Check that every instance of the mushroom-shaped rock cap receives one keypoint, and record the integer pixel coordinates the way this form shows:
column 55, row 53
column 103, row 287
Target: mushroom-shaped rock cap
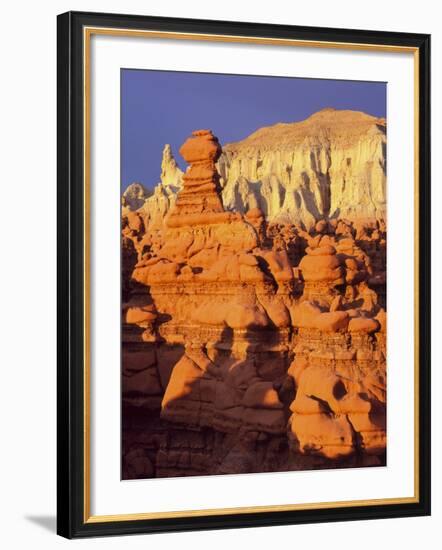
column 202, row 146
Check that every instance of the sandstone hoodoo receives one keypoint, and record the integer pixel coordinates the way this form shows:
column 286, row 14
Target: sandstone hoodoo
column 199, row 201
column 256, row 342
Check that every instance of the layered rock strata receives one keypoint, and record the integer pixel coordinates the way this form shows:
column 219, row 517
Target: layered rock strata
column 249, row 345
column 331, row 165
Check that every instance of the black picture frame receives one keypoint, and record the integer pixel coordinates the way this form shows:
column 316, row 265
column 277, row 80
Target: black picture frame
column 72, row 522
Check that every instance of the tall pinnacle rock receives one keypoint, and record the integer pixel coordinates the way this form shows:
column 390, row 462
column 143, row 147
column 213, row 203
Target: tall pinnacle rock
column 199, row 200
column 170, row 171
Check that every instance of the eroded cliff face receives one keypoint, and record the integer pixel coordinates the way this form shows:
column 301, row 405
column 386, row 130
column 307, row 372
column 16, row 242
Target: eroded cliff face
column 249, row 345
column 134, row 197
column 153, row 206
column 331, row 165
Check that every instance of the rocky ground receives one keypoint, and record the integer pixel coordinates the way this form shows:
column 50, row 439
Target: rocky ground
column 249, row 345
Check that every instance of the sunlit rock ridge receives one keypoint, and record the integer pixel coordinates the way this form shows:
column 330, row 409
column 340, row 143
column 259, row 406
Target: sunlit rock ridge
column 331, row 165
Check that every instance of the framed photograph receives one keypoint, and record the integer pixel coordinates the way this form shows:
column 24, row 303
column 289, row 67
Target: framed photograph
column 243, row 274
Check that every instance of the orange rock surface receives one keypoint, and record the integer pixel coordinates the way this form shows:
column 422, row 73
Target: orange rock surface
column 249, row 346
column 199, row 201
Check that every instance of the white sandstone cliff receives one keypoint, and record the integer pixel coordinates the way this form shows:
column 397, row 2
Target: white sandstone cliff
column 134, row 196
column 157, row 204
column 332, row 164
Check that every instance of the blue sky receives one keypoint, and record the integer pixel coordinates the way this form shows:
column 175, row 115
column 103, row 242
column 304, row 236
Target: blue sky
column 159, row 107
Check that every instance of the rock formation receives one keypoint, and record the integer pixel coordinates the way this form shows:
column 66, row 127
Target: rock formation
column 249, row 344
column 199, row 202
column 158, row 203
column 134, row 197
column 171, row 175
column 331, row 165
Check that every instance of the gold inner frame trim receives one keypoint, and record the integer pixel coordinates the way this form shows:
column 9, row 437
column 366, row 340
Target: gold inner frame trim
column 87, row 34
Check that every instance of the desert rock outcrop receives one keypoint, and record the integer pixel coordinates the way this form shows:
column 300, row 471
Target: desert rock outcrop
column 251, row 344
column 331, row 165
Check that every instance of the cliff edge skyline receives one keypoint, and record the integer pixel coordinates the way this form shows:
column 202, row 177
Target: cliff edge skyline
column 159, row 107
column 332, row 164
